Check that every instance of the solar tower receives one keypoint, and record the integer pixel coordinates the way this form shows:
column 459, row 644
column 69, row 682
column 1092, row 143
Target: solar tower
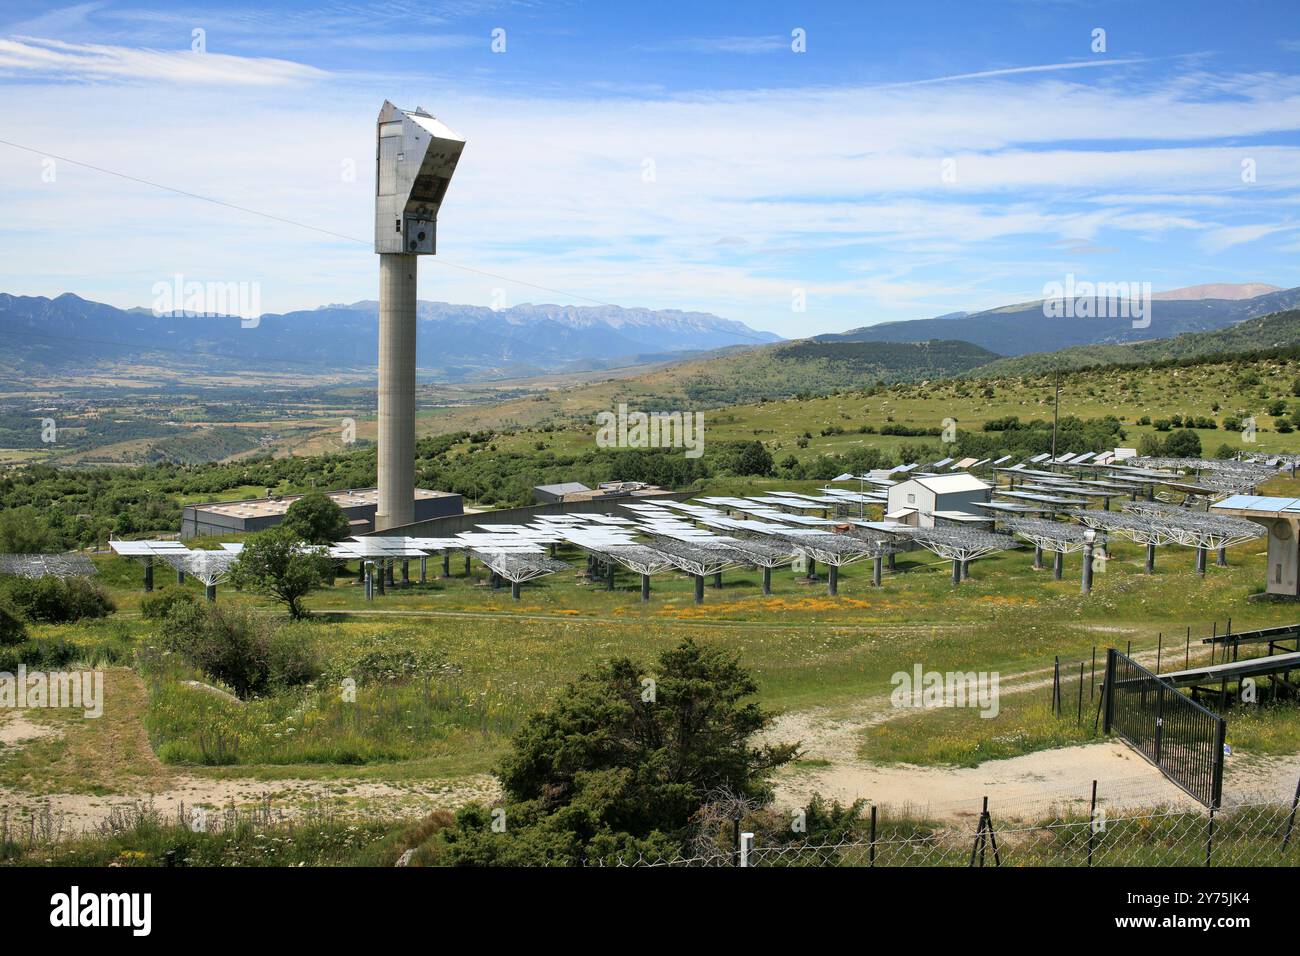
column 415, row 159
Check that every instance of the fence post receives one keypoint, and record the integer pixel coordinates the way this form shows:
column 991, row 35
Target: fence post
column 1160, row 646
column 1290, row 820
column 1092, row 679
column 871, row 852
column 735, row 840
column 1056, row 686
column 1078, row 717
column 746, row 845
column 1108, row 688
column 1209, row 838
column 1092, row 821
column 1160, row 720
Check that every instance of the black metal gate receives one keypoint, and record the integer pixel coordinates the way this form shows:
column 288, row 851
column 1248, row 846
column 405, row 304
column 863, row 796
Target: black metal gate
column 1182, row 738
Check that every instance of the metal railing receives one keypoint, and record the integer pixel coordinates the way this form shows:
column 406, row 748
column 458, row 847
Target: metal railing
column 1179, row 736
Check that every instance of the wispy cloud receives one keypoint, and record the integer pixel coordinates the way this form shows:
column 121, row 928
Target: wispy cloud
column 32, row 57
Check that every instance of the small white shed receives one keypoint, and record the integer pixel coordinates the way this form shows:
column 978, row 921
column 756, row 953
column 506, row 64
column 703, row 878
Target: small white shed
column 924, row 495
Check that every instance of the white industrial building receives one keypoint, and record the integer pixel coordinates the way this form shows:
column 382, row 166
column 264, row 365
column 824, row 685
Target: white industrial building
column 915, row 501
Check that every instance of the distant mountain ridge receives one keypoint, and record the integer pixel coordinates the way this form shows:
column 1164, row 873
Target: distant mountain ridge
column 1276, row 330
column 1022, row 329
column 455, row 342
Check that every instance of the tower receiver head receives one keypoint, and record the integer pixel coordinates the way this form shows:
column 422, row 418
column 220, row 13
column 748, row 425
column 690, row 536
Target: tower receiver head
column 415, row 158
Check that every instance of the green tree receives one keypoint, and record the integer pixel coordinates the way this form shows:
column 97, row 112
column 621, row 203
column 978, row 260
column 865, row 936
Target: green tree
column 24, row 531
column 275, row 562
column 1183, row 444
column 316, row 519
column 622, row 761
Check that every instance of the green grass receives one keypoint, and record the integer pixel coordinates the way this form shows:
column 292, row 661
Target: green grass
column 960, row 737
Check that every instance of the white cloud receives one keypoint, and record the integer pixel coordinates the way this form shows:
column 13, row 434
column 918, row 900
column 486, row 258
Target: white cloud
column 843, row 196
column 28, row 57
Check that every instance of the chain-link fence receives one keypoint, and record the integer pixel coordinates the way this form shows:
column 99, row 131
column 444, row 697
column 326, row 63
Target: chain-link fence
column 1250, row 831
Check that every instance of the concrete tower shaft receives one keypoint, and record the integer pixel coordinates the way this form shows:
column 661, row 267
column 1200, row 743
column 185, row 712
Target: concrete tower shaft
column 397, row 273
column 415, row 156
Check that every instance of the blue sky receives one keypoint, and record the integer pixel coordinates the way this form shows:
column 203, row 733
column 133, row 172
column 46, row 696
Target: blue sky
column 916, row 159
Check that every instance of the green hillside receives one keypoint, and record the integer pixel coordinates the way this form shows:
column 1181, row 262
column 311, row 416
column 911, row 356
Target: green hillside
column 1281, row 330
column 809, row 367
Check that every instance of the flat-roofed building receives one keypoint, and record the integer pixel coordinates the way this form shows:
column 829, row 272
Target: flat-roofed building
column 572, row 491
column 258, row 514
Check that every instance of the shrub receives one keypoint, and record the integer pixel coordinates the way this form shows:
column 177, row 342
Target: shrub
column 293, row 656
column 12, row 629
column 57, row 600
column 158, row 606
column 242, row 648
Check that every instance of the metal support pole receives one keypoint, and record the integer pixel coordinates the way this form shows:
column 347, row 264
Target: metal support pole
column 1038, row 557
column 645, row 587
column 956, row 572
column 699, row 588
column 514, row 590
column 767, row 580
column 1092, row 821
column 1086, row 586
column 876, row 571
column 1222, row 559
column 1058, row 565
column 833, row 581
column 446, row 564
column 424, row 570
column 1151, row 559
column 1200, row 561
column 717, row 579
column 1209, row 838
column 1290, row 820
column 148, row 574
column 871, row 852
column 210, row 592
column 180, row 576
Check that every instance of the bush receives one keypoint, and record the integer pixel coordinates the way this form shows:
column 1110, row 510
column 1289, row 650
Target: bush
column 293, row 656
column 158, row 606
column 12, row 629
column 57, row 600
column 242, row 648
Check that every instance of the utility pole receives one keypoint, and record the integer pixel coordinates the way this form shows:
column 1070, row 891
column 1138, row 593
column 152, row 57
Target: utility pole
column 1056, row 411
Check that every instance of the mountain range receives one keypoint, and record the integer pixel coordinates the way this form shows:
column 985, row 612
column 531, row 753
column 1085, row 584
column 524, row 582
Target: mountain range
column 69, row 334
column 1024, row 328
